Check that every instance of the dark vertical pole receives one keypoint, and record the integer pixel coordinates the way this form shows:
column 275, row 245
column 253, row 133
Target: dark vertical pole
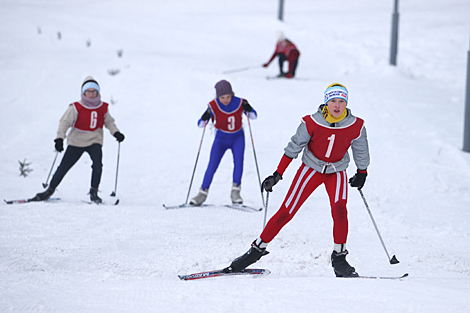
column 281, row 10
column 256, row 160
column 466, row 132
column 195, row 164
column 394, row 45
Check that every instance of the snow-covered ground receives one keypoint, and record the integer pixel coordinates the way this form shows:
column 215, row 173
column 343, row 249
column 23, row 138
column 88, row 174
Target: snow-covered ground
column 74, row 257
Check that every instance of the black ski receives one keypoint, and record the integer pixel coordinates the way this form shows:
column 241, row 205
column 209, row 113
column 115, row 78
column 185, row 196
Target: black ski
column 19, row 201
column 185, row 205
column 243, row 207
column 102, row 203
column 219, row 273
column 381, row 277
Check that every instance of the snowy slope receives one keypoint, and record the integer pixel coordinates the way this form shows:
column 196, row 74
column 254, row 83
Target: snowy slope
column 74, row 257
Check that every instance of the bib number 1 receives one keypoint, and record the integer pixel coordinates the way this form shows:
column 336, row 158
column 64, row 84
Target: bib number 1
column 331, row 139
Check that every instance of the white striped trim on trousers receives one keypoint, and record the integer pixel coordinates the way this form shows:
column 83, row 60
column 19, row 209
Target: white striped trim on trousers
column 338, row 186
column 294, row 191
column 302, row 174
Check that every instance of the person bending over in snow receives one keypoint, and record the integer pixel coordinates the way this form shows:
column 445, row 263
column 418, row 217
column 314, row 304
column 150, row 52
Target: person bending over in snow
column 325, row 138
column 226, row 112
column 86, row 119
column 285, row 51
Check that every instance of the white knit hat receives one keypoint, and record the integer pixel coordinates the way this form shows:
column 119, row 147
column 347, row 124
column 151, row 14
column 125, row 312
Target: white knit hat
column 336, row 91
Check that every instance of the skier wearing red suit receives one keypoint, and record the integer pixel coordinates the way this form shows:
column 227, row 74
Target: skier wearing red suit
column 285, row 51
column 324, row 137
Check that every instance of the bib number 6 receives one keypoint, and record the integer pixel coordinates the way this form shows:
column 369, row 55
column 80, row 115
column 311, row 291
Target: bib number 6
column 93, row 119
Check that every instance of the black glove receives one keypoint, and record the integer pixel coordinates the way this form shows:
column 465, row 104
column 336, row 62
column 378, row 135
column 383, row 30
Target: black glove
column 270, row 181
column 359, row 179
column 207, row 115
column 246, row 106
column 59, row 144
column 119, row 137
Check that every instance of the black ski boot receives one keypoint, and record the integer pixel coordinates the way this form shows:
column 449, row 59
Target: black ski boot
column 255, row 253
column 44, row 195
column 94, row 196
column 341, row 266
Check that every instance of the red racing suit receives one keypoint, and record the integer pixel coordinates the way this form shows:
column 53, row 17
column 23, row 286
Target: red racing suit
column 324, row 161
column 286, row 50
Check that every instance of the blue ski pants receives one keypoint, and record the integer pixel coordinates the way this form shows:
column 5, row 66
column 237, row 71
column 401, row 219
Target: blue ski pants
column 223, row 142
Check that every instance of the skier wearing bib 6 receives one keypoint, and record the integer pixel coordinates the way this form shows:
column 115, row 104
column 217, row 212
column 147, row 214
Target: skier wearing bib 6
column 86, row 119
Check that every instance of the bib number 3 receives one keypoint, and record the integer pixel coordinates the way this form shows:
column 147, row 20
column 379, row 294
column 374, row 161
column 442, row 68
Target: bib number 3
column 231, row 123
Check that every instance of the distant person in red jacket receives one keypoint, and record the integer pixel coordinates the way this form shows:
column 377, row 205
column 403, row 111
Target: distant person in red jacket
column 286, row 51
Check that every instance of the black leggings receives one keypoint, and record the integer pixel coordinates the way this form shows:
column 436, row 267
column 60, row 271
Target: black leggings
column 292, row 62
column 72, row 155
column 282, row 58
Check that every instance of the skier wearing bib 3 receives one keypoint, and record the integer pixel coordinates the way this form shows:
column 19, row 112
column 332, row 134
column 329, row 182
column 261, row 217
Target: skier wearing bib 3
column 226, row 111
column 325, row 138
column 86, row 119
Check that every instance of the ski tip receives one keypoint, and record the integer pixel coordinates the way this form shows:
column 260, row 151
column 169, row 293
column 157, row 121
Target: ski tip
column 30, row 200
column 243, row 207
column 168, row 207
column 266, row 272
column 185, row 205
column 381, row 277
column 117, row 202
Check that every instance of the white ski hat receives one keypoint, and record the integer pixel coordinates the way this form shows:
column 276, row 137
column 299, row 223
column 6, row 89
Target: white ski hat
column 336, row 91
